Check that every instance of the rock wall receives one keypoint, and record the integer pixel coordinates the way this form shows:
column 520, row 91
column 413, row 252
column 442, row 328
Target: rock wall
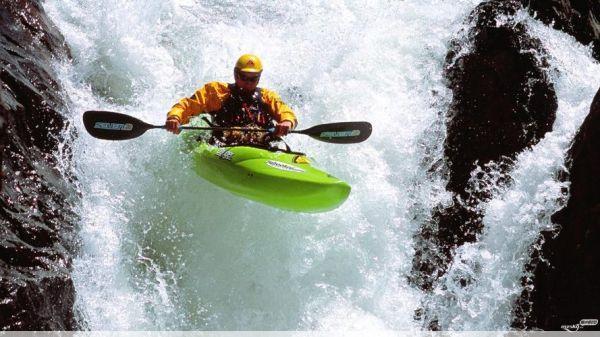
column 560, row 290
column 579, row 18
column 37, row 231
column 565, row 287
column 503, row 103
column 3, row 120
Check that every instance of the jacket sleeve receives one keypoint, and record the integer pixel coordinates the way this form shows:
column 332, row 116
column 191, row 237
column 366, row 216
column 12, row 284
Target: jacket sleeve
column 280, row 111
column 206, row 99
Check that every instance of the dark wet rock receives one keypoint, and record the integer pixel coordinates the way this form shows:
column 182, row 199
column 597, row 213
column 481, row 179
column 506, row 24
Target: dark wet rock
column 565, row 288
column 579, row 18
column 37, row 235
column 3, row 119
column 503, row 103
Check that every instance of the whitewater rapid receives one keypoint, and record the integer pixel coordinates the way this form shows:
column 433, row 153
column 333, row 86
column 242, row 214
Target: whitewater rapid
column 163, row 249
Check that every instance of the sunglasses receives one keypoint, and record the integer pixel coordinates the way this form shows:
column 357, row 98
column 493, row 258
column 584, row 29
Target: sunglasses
column 250, row 79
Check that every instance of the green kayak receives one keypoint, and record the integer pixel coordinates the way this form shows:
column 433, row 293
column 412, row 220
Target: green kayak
column 280, row 179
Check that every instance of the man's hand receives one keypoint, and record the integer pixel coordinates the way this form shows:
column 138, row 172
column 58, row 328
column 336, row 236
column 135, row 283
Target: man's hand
column 172, row 125
column 282, row 129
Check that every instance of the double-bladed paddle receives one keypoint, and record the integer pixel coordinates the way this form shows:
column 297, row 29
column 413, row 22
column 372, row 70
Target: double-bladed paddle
column 117, row 126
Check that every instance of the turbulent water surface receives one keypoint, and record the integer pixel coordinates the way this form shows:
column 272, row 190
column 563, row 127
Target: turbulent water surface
column 163, row 249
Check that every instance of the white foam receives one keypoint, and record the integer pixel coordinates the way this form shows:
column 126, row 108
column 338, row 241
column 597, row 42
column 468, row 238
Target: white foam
column 163, row 249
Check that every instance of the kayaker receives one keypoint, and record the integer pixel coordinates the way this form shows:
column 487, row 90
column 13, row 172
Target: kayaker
column 239, row 104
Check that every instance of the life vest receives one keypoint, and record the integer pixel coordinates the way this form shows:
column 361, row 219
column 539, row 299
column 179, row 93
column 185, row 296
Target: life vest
column 243, row 109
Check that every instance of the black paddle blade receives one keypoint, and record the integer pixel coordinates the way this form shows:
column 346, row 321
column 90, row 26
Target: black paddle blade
column 113, row 125
column 340, row 133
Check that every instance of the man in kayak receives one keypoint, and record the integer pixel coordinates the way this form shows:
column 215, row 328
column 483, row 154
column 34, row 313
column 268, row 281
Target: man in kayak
column 239, row 104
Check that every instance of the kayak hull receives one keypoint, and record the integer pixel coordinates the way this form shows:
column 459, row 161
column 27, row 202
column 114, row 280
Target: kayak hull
column 279, row 179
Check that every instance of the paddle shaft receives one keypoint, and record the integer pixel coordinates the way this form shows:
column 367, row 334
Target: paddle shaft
column 222, row 128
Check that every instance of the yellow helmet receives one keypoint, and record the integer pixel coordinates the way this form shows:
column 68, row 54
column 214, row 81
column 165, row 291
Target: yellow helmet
column 249, row 63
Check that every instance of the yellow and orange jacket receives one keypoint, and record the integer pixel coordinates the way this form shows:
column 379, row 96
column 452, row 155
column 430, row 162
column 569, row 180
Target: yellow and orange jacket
column 212, row 97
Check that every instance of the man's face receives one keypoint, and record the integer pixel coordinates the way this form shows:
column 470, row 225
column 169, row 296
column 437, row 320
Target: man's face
column 246, row 81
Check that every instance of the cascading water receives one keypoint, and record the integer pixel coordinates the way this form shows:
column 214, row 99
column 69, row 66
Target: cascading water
column 163, row 249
